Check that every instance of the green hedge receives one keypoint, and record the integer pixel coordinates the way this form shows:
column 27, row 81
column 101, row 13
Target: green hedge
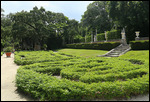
column 101, row 37
column 114, row 34
column 99, row 45
column 88, row 38
column 139, row 45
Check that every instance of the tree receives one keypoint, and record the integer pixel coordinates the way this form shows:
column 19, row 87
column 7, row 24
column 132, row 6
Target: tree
column 38, row 26
column 6, row 27
column 133, row 15
column 96, row 17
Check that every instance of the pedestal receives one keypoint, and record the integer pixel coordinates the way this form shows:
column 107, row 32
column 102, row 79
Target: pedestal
column 123, row 42
column 137, row 38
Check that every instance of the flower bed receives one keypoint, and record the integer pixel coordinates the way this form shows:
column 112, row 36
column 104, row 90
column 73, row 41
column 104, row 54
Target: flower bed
column 82, row 78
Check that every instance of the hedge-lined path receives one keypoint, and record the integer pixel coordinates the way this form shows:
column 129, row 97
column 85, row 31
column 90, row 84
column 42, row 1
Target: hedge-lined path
column 8, row 72
column 8, row 89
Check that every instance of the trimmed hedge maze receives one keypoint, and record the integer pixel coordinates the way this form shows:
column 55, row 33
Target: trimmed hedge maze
column 81, row 78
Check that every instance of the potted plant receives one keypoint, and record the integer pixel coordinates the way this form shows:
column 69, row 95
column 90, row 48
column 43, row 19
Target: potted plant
column 8, row 51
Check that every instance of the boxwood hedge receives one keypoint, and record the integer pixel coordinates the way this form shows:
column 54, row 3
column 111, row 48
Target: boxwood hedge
column 98, row 45
column 82, row 78
column 139, row 45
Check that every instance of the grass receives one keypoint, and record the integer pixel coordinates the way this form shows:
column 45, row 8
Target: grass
column 83, row 52
column 138, row 54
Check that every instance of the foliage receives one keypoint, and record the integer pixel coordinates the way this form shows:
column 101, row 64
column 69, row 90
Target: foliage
column 114, row 34
column 8, row 49
column 44, row 46
column 29, row 57
column 37, row 26
column 2, row 53
column 6, row 34
column 110, row 15
column 96, row 17
column 101, row 37
column 133, row 15
column 140, row 45
column 85, row 78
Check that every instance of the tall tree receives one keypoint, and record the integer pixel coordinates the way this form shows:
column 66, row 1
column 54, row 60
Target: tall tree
column 6, row 27
column 133, row 15
column 96, row 17
column 38, row 25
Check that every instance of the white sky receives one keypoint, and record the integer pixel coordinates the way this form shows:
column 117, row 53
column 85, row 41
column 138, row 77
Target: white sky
column 71, row 9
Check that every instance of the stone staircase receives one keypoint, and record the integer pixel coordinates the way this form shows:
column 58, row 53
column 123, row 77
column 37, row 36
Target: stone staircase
column 116, row 52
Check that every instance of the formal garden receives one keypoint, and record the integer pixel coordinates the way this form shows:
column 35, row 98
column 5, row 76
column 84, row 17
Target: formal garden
column 58, row 57
column 48, row 75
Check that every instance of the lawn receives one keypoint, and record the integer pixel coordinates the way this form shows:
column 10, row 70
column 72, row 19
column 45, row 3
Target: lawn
column 83, row 75
column 83, row 52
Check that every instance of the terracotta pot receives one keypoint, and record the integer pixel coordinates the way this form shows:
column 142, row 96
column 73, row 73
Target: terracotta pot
column 8, row 54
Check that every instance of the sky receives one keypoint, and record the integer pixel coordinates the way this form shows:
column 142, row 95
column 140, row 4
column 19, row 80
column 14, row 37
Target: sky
column 71, row 9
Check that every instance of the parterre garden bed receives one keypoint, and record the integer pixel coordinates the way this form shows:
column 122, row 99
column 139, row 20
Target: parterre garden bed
column 81, row 78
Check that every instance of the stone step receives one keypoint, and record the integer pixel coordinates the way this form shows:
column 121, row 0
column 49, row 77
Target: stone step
column 117, row 51
column 113, row 53
column 122, row 48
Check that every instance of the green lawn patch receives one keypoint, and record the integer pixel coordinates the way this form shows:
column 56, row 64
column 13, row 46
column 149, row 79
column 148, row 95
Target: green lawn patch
column 83, row 52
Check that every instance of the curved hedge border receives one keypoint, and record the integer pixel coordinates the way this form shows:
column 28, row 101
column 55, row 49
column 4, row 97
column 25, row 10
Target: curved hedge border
column 130, row 79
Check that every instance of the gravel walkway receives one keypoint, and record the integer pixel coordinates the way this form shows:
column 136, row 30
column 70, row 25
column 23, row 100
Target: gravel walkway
column 8, row 89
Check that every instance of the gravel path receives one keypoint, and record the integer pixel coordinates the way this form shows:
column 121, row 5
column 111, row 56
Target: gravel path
column 8, row 89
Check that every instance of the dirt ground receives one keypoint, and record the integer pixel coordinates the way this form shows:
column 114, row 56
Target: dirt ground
column 8, row 89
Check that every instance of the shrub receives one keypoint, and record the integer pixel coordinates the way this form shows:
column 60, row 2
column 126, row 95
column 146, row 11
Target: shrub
column 2, row 53
column 8, row 49
column 114, row 34
column 101, row 37
column 83, row 78
column 88, row 38
column 99, row 45
column 139, row 45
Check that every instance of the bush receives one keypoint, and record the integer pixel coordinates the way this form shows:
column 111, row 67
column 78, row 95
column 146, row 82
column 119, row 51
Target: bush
column 99, row 45
column 83, row 78
column 88, row 38
column 2, row 53
column 101, row 37
column 114, row 34
column 139, row 45
column 8, row 49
